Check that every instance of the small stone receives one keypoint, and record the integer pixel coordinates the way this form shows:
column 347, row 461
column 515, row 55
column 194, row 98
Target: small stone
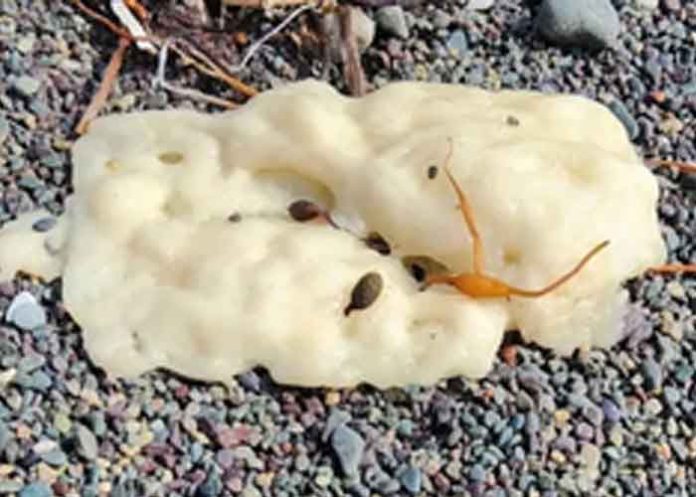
column 25, row 312
column 612, row 413
column 622, row 113
column 457, row 43
column 480, row 4
column 348, row 446
column 412, row 480
column 324, row 476
column 364, row 29
column 392, row 20
column 55, row 457
column 652, row 374
column 590, row 456
column 211, row 487
column 477, row 473
column 647, row 4
column 4, row 129
column 36, row 490
column 9, row 486
column 26, row 86
column 592, row 24
column 653, row 407
column 44, row 224
column 87, row 442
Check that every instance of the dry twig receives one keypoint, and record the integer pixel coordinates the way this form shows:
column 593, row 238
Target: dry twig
column 685, row 167
column 105, row 86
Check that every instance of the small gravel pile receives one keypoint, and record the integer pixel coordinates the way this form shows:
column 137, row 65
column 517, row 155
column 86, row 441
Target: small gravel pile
column 619, row 422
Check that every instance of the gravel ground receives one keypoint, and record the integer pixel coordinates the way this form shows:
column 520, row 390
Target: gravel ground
column 617, row 422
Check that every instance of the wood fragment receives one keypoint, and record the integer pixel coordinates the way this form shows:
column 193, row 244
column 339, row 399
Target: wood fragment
column 107, row 83
column 138, row 8
column 352, row 67
column 111, row 26
column 686, row 167
column 673, row 268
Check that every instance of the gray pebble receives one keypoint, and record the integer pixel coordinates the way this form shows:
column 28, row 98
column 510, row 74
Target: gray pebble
column 25, row 312
column 392, row 20
column 457, row 42
column 480, row 4
column 44, row 224
column 36, row 490
column 26, row 85
column 592, row 24
column 623, row 115
column 87, row 442
column 55, row 457
column 4, row 129
column 412, row 480
column 348, row 446
column 10, row 486
column 336, row 418
column 652, row 374
column 211, row 487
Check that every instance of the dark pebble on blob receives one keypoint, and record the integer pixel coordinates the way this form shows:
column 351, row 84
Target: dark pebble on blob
column 304, row 210
column 365, row 292
column 432, row 172
column 44, row 224
column 376, row 242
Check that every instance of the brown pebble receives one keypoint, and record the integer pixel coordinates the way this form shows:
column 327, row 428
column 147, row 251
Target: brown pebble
column 365, row 292
column 421, row 266
column 304, row 210
column 432, row 172
column 235, row 217
column 376, row 242
column 512, row 121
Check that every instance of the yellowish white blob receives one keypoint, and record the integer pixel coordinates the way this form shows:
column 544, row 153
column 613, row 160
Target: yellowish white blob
column 158, row 276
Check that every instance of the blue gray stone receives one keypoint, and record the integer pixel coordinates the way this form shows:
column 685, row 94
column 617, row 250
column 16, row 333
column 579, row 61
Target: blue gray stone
column 591, row 24
column 348, row 446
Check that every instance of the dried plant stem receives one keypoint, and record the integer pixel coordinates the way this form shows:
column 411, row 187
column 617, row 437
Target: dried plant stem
column 673, row 268
column 123, row 33
column 686, row 167
column 267, row 4
column 107, row 83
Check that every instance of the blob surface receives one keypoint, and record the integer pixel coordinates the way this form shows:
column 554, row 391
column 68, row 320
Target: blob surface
column 178, row 250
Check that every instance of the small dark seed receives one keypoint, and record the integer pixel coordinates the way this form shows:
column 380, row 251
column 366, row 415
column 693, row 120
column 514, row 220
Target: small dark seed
column 171, row 158
column 512, row 121
column 421, row 266
column 376, row 242
column 432, row 172
column 235, row 217
column 304, row 210
column 365, row 292
column 44, row 224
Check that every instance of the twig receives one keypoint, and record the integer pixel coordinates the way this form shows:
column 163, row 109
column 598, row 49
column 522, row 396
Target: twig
column 259, row 43
column 687, row 167
column 134, row 27
column 138, row 8
column 673, row 268
column 107, row 83
column 211, row 68
column 123, row 33
column 352, row 68
column 269, row 4
column 160, row 80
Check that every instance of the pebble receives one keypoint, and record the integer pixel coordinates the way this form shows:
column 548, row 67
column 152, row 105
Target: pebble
column 26, row 86
column 4, row 129
column 480, row 4
column 591, row 24
column 623, row 115
column 652, row 374
column 44, row 224
column 25, row 312
column 647, row 4
column 457, row 43
column 36, row 490
column 87, row 442
column 348, row 446
column 211, row 487
column 412, row 480
column 393, row 21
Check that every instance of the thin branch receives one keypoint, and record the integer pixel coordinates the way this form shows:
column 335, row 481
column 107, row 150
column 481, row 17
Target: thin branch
column 107, row 83
column 673, row 268
column 160, row 80
column 352, row 67
column 686, row 167
column 123, row 33
column 137, row 31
